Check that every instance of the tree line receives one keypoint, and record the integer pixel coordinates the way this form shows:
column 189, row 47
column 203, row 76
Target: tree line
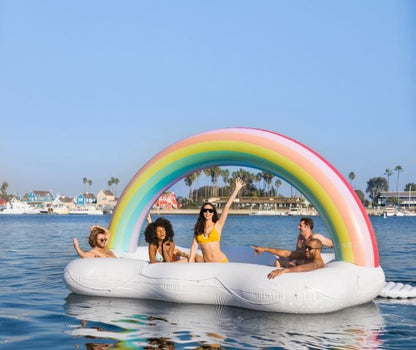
column 265, row 184
column 258, row 184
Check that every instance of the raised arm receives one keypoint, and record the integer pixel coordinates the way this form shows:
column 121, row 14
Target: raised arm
column 325, row 241
column 238, row 185
column 79, row 251
column 149, row 218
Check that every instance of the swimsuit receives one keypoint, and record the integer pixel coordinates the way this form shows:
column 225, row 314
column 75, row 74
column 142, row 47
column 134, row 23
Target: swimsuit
column 213, row 236
column 159, row 257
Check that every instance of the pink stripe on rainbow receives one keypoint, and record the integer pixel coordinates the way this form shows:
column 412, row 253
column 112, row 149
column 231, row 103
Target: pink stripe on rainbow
column 312, row 175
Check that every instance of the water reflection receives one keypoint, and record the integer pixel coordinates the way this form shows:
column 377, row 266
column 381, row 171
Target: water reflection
column 133, row 323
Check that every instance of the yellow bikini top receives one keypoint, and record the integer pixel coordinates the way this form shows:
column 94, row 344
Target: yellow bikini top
column 213, row 236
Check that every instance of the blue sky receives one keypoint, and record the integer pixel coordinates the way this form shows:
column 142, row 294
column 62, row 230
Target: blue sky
column 96, row 88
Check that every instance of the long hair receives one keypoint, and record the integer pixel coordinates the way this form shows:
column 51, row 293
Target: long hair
column 150, row 231
column 200, row 223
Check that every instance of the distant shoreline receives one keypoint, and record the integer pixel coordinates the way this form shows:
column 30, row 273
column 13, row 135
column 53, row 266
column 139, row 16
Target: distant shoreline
column 370, row 211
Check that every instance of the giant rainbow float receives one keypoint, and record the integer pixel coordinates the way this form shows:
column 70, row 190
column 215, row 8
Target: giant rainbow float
column 353, row 277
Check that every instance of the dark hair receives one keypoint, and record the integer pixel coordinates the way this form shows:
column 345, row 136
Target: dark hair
column 308, row 222
column 150, row 231
column 200, row 223
column 92, row 239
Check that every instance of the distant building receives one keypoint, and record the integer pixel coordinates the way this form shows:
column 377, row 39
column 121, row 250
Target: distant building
column 406, row 198
column 40, row 199
column 106, row 200
column 167, row 201
column 85, row 199
column 62, row 205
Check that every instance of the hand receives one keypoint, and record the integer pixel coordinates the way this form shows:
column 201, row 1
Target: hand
column 94, row 227
column 257, row 250
column 239, row 183
column 276, row 273
column 76, row 243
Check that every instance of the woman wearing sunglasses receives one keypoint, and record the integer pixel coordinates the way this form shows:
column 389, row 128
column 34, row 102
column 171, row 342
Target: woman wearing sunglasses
column 208, row 228
column 98, row 240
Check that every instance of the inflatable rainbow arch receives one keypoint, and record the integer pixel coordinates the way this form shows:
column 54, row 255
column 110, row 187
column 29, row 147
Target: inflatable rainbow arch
column 329, row 192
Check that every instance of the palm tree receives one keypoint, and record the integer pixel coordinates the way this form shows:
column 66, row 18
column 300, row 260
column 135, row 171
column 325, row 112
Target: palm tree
column 207, row 173
column 84, row 181
column 258, row 178
column 278, row 183
column 116, row 182
column 4, row 186
column 398, row 169
column 197, row 174
column 388, row 173
column 225, row 174
column 351, row 176
column 109, row 183
column 89, row 184
column 188, row 182
column 268, row 177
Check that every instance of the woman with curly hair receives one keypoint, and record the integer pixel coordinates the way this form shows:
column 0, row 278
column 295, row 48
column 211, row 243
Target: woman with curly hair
column 159, row 235
column 208, row 228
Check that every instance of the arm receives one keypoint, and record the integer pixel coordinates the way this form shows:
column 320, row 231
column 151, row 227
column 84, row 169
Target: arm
column 220, row 223
column 325, row 241
column 79, row 251
column 192, row 251
column 283, row 253
column 149, row 218
column 301, row 268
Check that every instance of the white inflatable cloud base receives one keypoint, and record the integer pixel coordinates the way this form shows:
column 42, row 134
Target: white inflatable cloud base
column 242, row 284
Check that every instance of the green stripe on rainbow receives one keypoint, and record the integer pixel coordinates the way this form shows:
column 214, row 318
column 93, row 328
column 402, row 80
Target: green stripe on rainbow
column 314, row 177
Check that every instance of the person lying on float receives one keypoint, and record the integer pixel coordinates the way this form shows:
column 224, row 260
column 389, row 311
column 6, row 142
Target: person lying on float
column 312, row 252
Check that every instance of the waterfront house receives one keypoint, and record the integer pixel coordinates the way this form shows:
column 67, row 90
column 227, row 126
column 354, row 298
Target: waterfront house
column 106, row 200
column 85, row 198
column 40, row 199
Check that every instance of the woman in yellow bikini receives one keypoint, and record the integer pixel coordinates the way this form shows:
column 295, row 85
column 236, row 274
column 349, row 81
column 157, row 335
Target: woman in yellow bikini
column 207, row 230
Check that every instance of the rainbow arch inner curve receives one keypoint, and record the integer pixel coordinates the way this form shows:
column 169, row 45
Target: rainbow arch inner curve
column 328, row 191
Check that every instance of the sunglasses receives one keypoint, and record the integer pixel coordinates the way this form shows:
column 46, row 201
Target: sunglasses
column 206, row 210
column 102, row 240
column 308, row 247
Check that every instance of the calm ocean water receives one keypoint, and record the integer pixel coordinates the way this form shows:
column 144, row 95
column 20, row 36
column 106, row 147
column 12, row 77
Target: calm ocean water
column 38, row 312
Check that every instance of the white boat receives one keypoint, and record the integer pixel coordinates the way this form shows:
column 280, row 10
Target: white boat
column 18, row 207
column 86, row 210
column 266, row 212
